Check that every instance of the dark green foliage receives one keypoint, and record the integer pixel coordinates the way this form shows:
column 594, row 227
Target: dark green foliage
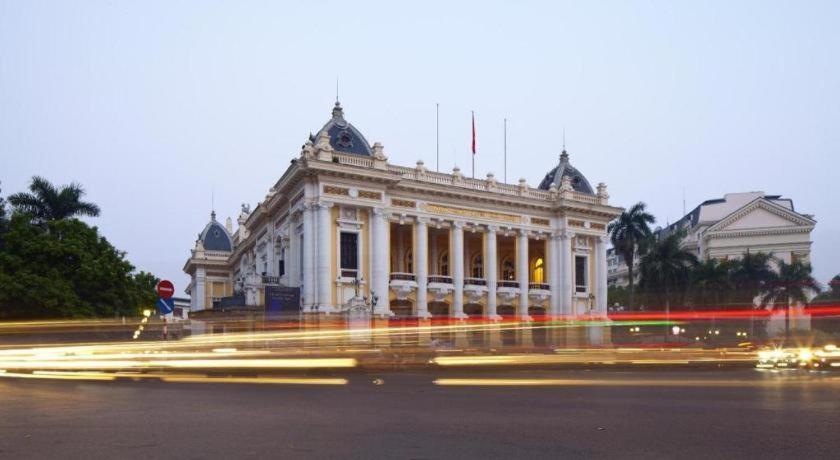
column 48, row 202
column 712, row 286
column 627, row 232
column 666, row 270
column 55, row 266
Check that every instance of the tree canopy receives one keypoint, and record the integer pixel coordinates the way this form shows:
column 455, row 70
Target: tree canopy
column 53, row 265
column 627, row 232
column 47, row 202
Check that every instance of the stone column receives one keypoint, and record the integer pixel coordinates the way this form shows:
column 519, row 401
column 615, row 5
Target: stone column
column 554, row 277
column 324, row 248
column 381, row 248
column 421, row 234
column 601, row 275
column 308, row 268
column 566, row 272
column 490, row 275
column 457, row 264
column 199, row 292
column 522, row 273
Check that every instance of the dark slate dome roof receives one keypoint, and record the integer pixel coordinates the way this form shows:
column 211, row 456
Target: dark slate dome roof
column 555, row 176
column 215, row 237
column 344, row 137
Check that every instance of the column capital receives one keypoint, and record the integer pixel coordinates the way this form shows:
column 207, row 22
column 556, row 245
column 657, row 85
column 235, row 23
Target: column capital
column 421, row 221
column 378, row 212
column 566, row 234
column 523, row 231
column 491, row 229
column 603, row 239
column 457, row 224
column 306, row 206
column 324, row 205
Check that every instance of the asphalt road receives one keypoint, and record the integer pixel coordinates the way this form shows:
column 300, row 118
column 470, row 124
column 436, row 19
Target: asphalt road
column 649, row 414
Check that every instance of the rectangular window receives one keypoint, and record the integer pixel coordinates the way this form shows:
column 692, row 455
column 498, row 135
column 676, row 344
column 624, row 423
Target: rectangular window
column 580, row 274
column 349, row 250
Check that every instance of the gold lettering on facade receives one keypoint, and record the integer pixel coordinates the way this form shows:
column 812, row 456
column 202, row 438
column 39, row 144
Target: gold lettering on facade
column 403, row 203
column 437, row 209
column 597, row 226
column 576, row 223
column 333, row 190
column 370, row 195
column 540, row 221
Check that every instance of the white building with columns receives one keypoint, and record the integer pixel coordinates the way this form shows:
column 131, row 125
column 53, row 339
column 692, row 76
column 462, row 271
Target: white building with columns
column 424, row 243
column 725, row 228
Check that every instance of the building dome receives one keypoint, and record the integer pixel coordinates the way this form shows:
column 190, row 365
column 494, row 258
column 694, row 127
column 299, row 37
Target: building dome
column 215, row 236
column 565, row 169
column 344, row 137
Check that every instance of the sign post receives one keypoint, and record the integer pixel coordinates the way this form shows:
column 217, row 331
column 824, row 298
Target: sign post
column 165, row 303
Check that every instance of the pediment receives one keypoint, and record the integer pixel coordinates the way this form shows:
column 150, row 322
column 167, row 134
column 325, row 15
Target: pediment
column 761, row 214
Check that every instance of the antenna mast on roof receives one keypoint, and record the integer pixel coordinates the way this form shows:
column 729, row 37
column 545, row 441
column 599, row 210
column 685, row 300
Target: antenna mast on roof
column 505, row 174
column 683, row 199
column 437, row 136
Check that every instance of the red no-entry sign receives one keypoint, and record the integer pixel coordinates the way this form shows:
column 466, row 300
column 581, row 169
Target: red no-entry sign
column 165, row 289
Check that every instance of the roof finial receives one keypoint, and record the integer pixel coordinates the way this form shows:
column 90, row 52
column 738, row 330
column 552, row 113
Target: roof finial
column 336, row 90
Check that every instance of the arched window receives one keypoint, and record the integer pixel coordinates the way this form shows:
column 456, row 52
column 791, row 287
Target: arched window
column 477, row 266
column 508, row 272
column 443, row 264
column 538, row 271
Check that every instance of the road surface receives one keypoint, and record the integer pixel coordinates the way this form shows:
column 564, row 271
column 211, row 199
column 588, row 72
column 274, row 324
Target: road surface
column 576, row 414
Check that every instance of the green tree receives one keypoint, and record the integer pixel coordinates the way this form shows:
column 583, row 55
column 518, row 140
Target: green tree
column 751, row 273
column 4, row 221
column 627, row 232
column 666, row 268
column 711, row 284
column 64, row 268
column 791, row 285
column 832, row 294
column 47, row 202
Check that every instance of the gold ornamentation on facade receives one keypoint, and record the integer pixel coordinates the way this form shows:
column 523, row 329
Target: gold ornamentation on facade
column 576, row 223
column 597, row 226
column 540, row 221
column 437, row 209
column 370, row 195
column 333, row 190
column 403, row 203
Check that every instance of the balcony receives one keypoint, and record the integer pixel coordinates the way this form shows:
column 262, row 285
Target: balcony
column 507, row 290
column 397, row 276
column 403, row 284
column 475, row 289
column 440, row 279
column 475, row 282
column 538, row 294
column 440, row 286
column 270, row 280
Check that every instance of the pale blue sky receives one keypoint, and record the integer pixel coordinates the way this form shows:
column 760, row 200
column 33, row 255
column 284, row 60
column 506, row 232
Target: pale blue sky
column 151, row 105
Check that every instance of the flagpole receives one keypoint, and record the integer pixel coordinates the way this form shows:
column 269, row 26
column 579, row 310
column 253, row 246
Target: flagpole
column 473, row 143
column 437, row 137
column 505, row 151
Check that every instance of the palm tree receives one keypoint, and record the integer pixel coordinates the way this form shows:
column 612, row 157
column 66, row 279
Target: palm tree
column 751, row 274
column 666, row 267
column 791, row 284
column 711, row 283
column 626, row 234
column 48, row 202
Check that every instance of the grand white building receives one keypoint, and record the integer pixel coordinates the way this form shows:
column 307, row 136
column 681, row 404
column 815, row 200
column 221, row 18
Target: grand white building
column 726, row 228
column 342, row 218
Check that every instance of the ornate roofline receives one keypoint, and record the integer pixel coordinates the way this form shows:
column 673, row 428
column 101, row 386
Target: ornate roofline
column 768, row 206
